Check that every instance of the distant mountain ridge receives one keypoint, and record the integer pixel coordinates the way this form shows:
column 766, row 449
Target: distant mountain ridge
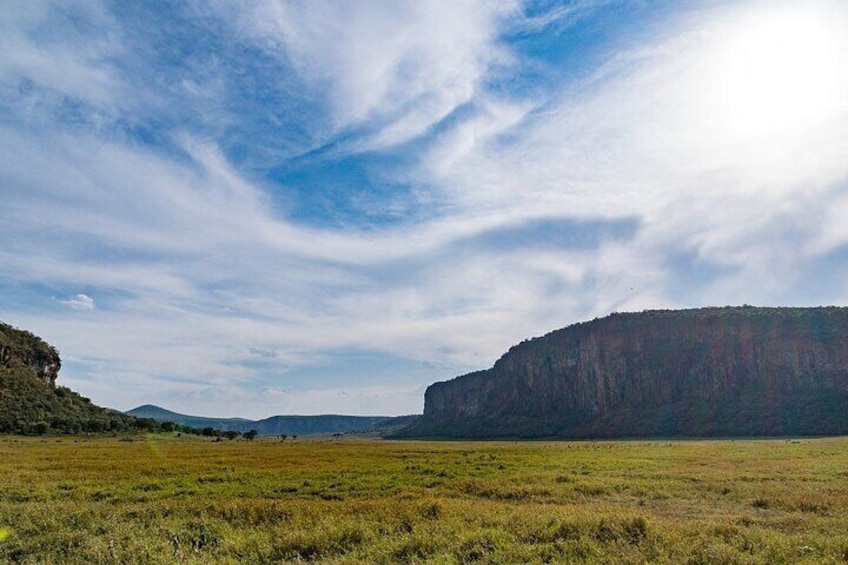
column 731, row 371
column 274, row 425
column 163, row 415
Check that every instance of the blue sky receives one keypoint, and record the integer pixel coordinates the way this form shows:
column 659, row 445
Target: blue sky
column 247, row 209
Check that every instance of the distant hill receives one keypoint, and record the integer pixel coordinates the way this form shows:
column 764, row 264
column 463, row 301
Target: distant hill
column 389, row 427
column 275, row 425
column 30, row 401
column 162, row 415
column 732, row 371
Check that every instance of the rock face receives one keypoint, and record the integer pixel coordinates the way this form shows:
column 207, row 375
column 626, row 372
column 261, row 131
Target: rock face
column 21, row 349
column 30, row 401
column 705, row 372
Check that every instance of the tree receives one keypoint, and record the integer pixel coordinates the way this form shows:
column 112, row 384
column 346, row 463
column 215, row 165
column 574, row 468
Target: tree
column 249, row 435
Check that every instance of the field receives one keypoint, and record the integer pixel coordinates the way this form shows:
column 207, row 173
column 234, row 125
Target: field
column 164, row 499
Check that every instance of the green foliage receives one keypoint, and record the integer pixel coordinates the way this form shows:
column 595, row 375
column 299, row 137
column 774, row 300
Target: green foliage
column 17, row 346
column 31, row 405
column 28, row 405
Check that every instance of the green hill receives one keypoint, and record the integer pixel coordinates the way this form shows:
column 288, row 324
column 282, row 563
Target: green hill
column 162, row 415
column 30, row 401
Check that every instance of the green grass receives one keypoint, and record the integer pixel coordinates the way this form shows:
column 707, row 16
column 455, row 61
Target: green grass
column 163, row 499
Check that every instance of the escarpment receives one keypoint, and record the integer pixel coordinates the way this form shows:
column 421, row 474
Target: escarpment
column 733, row 371
column 21, row 349
column 30, row 401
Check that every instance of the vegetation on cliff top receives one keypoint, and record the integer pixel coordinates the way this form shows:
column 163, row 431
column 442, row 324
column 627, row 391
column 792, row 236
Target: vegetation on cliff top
column 19, row 345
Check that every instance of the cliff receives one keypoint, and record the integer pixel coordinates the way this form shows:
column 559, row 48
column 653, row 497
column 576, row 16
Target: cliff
column 30, row 401
column 706, row 372
column 21, row 349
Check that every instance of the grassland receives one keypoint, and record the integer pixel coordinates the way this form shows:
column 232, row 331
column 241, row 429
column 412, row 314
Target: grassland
column 163, row 499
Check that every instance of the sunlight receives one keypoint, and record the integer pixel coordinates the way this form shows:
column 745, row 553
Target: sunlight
column 153, row 446
column 780, row 71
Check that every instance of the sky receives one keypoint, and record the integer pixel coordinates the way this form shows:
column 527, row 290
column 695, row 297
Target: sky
column 324, row 206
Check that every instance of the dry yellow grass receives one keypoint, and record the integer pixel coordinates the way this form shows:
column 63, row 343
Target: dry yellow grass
column 163, row 499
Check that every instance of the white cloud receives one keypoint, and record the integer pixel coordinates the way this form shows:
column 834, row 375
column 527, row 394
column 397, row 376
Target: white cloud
column 80, row 302
column 402, row 66
column 64, row 62
column 643, row 138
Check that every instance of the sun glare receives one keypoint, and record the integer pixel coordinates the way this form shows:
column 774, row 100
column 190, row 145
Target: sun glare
column 781, row 71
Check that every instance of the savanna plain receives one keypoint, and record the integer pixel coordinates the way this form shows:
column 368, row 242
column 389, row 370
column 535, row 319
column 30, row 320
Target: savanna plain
column 168, row 499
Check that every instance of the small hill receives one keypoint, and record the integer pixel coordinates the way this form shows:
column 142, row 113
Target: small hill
column 162, row 415
column 732, row 371
column 315, row 425
column 272, row 426
column 30, row 401
column 388, row 427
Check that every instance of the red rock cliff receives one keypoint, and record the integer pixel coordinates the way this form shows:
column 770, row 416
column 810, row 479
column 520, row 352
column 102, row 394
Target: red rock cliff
column 705, row 372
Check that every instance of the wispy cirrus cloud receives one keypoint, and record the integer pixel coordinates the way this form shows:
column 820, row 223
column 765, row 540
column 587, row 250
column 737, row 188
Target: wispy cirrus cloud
column 646, row 136
column 50, row 48
column 393, row 69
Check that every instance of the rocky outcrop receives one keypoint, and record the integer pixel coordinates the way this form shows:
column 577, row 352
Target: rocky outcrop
column 21, row 349
column 705, row 372
column 30, row 401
